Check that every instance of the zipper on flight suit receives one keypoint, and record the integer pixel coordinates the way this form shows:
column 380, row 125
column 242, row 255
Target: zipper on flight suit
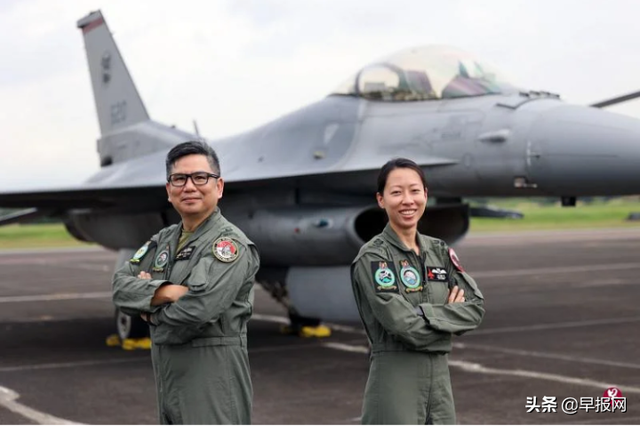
column 425, row 288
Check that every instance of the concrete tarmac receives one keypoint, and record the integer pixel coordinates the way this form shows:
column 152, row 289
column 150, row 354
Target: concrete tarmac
column 562, row 322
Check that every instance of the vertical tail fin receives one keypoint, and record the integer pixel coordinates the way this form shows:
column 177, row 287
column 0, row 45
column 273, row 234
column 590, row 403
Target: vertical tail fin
column 118, row 103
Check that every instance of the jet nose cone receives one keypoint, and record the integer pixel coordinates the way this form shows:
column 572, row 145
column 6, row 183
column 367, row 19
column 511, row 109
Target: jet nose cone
column 576, row 150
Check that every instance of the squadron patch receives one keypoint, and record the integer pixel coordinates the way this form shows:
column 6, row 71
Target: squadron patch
column 454, row 259
column 185, row 253
column 161, row 260
column 225, row 249
column 142, row 251
column 437, row 273
column 384, row 276
column 410, row 277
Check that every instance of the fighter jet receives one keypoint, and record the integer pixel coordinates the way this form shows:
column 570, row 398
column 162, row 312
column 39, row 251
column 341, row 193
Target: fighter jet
column 302, row 187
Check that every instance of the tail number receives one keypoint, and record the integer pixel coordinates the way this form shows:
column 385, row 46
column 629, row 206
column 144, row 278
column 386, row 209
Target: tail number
column 118, row 112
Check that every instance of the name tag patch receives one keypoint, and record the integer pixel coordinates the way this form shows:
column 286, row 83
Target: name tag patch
column 437, row 273
column 384, row 277
column 185, row 253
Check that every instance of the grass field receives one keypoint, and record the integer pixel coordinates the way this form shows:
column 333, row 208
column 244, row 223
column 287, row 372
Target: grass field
column 611, row 214
column 40, row 235
column 598, row 215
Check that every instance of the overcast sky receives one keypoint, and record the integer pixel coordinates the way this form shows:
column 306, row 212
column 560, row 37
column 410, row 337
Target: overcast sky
column 234, row 65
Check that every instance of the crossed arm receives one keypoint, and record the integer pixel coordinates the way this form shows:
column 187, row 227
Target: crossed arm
column 167, row 293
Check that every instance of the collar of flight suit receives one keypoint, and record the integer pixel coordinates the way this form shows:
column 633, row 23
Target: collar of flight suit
column 391, row 236
column 201, row 229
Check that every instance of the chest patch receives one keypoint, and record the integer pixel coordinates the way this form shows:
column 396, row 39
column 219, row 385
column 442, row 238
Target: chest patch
column 185, row 253
column 161, row 260
column 384, row 277
column 437, row 273
column 410, row 277
column 225, row 249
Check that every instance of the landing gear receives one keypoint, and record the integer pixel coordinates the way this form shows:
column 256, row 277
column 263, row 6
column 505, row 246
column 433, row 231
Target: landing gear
column 132, row 332
column 299, row 325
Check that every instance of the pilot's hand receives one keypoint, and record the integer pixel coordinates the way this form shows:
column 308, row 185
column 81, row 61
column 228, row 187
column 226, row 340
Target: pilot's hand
column 456, row 295
column 144, row 275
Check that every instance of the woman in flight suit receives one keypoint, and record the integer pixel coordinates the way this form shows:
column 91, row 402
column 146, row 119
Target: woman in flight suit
column 412, row 295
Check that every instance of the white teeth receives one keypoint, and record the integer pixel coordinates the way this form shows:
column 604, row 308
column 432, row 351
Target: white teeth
column 407, row 212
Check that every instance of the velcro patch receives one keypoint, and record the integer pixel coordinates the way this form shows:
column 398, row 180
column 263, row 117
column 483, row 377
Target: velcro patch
column 455, row 260
column 437, row 273
column 185, row 253
column 384, row 277
column 225, row 249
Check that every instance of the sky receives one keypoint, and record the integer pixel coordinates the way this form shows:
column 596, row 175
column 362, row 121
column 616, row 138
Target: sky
column 234, row 65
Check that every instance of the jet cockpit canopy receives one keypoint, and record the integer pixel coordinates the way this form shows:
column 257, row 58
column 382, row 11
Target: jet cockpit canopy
column 425, row 73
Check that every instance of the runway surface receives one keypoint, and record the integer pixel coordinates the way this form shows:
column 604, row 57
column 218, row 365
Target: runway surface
column 562, row 321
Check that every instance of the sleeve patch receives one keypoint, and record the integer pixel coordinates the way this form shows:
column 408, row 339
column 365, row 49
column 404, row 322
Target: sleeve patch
column 384, row 277
column 455, row 260
column 141, row 253
column 225, row 250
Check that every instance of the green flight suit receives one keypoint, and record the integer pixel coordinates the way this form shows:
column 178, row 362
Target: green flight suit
column 199, row 349
column 402, row 300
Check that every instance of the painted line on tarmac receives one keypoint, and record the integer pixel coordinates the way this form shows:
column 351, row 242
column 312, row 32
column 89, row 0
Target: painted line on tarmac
column 555, row 326
column 555, row 270
column 56, row 297
column 56, row 365
column 473, row 367
column 8, row 400
column 547, row 355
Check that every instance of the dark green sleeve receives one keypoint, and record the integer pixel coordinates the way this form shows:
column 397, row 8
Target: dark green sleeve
column 396, row 315
column 461, row 317
column 131, row 294
column 213, row 286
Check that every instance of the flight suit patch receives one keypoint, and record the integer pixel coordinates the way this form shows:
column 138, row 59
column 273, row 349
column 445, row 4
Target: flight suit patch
column 225, row 249
column 384, row 276
column 410, row 277
column 161, row 260
column 437, row 273
column 142, row 251
column 185, row 253
column 455, row 260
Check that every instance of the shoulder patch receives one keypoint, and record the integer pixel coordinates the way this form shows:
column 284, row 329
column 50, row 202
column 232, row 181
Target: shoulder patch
column 142, row 251
column 225, row 249
column 455, row 260
column 384, row 277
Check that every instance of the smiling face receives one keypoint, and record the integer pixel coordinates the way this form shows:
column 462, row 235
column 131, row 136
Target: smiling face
column 404, row 198
column 192, row 201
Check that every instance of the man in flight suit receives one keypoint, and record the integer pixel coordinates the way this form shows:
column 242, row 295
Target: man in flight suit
column 193, row 283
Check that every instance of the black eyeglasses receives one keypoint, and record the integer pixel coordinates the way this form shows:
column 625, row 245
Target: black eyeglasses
column 198, row 178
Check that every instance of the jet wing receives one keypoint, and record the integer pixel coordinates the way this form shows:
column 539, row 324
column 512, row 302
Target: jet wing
column 139, row 184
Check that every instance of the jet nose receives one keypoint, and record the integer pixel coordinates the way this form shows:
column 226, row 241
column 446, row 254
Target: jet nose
column 578, row 151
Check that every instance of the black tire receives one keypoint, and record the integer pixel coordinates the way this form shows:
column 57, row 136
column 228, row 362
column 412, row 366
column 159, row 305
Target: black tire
column 129, row 327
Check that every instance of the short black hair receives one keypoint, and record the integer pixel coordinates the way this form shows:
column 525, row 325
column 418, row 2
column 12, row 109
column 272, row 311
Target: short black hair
column 398, row 163
column 190, row 148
